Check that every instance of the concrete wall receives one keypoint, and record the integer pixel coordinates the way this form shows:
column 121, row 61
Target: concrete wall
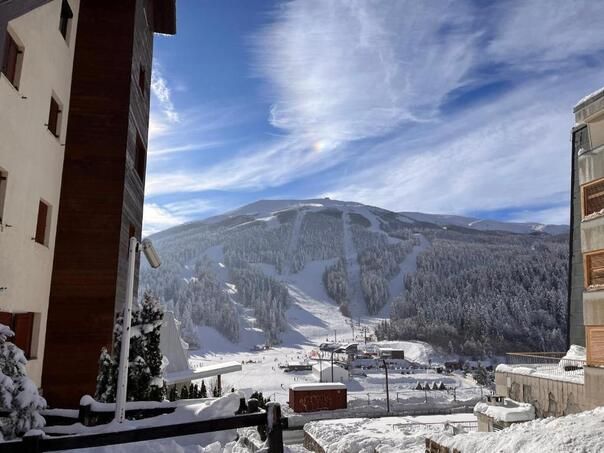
column 551, row 398
column 33, row 158
column 594, row 386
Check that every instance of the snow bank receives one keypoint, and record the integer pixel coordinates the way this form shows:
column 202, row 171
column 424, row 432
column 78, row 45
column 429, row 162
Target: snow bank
column 511, row 411
column 386, row 434
column 579, row 432
column 195, row 411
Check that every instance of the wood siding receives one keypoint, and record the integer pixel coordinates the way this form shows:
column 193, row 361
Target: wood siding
column 595, row 345
column 101, row 195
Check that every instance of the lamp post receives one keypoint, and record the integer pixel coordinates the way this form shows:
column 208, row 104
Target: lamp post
column 387, row 392
column 122, row 379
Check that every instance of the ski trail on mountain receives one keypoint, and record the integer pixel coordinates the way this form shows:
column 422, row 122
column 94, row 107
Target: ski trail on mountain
column 408, row 266
column 356, row 302
column 293, row 243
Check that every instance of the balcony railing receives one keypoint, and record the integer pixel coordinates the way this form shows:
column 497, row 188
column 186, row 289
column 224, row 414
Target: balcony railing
column 546, row 364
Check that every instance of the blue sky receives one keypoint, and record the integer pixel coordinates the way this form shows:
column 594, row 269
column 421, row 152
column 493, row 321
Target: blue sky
column 460, row 107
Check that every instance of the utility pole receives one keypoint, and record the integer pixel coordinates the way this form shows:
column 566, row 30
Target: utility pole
column 335, row 336
column 387, row 392
column 332, row 351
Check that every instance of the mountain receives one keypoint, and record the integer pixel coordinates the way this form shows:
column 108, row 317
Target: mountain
column 281, row 270
column 484, row 224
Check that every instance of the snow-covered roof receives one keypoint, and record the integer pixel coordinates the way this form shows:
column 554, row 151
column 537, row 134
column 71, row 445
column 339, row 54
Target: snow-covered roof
column 201, row 373
column 511, row 411
column 589, row 98
column 318, row 386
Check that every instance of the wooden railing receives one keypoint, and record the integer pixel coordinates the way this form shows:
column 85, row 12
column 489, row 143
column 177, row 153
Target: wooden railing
column 270, row 420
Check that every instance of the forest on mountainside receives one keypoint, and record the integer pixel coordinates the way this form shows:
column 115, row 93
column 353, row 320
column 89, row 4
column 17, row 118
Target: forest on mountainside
column 480, row 294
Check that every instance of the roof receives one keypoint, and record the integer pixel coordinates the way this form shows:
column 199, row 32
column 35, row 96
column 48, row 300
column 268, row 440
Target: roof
column 589, row 99
column 201, row 373
column 318, row 386
column 164, row 15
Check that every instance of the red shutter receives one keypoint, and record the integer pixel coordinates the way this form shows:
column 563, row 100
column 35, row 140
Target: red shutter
column 41, row 225
column 9, row 65
column 53, row 117
column 6, row 318
column 24, row 328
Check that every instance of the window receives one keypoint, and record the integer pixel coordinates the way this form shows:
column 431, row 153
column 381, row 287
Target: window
column 42, row 223
column 3, row 184
column 592, row 197
column 594, row 269
column 142, row 80
column 66, row 17
column 595, row 345
column 581, row 139
column 140, row 158
column 54, row 117
column 22, row 324
column 131, row 231
column 11, row 61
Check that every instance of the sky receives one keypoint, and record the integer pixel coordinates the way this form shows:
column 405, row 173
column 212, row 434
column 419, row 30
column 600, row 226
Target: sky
column 453, row 107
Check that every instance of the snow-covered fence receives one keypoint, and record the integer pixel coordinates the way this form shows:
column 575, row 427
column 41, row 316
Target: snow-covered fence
column 555, row 364
column 271, row 420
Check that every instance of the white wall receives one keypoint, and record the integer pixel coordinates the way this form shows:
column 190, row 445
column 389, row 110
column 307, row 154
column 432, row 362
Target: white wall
column 33, row 158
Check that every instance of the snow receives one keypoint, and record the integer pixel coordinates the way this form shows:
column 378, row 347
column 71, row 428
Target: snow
column 318, row 386
column 590, row 96
column 386, row 434
column 511, row 411
column 573, row 433
column 554, row 371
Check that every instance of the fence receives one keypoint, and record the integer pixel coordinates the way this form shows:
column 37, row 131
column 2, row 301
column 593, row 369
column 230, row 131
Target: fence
column 455, row 427
column 270, row 420
column 547, row 363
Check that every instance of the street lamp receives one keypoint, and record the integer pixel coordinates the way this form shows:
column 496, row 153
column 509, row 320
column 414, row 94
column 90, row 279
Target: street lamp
column 122, row 378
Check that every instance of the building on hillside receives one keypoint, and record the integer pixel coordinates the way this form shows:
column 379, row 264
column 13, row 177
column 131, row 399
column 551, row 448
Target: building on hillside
column 101, row 202
column 558, row 383
column 37, row 43
column 391, row 353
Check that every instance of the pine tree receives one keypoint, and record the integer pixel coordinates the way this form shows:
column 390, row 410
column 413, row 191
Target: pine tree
column 17, row 392
column 215, row 391
column 145, row 381
column 184, row 393
column 203, row 392
column 172, row 395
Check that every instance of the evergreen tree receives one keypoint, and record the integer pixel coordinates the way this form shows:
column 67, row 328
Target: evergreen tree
column 145, row 381
column 184, row 393
column 203, row 392
column 18, row 393
column 172, row 395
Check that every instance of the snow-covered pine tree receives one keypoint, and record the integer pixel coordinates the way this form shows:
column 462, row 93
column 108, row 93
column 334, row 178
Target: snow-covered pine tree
column 145, row 381
column 18, row 393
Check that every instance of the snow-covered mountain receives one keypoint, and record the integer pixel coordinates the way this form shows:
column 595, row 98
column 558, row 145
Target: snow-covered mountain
column 283, row 270
column 486, row 224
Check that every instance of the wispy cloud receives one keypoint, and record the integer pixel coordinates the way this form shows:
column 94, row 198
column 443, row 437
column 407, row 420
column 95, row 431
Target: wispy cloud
column 347, row 70
column 157, row 218
column 161, row 91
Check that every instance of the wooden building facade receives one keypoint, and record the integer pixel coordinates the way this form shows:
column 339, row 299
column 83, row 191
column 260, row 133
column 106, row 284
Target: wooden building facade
column 101, row 203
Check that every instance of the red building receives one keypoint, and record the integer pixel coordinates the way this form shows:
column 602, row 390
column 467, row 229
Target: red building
column 318, row 397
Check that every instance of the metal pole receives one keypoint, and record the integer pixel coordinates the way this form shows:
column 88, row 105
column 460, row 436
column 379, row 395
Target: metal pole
column 387, row 393
column 122, row 379
column 331, row 366
column 320, row 366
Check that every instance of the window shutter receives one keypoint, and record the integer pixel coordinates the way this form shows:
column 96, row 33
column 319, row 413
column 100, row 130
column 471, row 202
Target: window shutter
column 24, row 328
column 594, row 269
column 41, row 225
column 53, row 117
column 9, row 62
column 6, row 318
column 595, row 345
column 593, row 197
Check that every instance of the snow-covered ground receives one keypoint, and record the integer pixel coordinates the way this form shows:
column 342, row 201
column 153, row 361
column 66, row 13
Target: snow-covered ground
column 387, row 434
column 573, row 433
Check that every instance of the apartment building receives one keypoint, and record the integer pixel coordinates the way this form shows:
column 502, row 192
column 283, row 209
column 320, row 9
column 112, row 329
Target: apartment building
column 37, row 43
column 588, row 143
column 563, row 383
column 103, row 179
